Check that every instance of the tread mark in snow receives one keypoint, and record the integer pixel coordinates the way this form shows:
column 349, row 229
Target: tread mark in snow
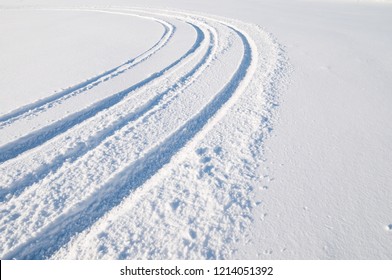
column 36, row 138
column 112, row 193
column 93, row 142
column 120, row 155
column 41, row 104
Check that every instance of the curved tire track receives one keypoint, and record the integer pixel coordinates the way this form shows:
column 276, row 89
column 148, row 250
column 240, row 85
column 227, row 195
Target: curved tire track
column 46, row 132
column 40, row 105
column 80, row 187
column 26, row 170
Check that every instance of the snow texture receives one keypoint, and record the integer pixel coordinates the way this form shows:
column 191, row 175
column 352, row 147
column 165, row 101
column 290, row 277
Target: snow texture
column 77, row 159
column 162, row 132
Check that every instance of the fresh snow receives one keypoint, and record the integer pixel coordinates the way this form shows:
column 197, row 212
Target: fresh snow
column 187, row 131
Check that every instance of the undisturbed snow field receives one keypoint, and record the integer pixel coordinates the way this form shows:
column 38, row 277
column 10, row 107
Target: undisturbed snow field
column 195, row 129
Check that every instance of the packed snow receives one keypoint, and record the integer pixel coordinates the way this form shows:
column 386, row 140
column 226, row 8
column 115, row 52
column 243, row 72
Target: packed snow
column 195, row 129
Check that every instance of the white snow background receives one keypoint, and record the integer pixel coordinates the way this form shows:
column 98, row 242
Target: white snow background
column 252, row 129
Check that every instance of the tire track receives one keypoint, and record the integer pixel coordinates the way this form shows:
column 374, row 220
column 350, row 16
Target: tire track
column 40, row 105
column 23, row 173
column 40, row 136
column 184, row 78
column 78, row 187
column 200, row 204
column 148, row 163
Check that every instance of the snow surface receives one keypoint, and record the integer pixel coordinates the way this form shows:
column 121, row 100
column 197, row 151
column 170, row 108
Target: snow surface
column 62, row 48
column 184, row 131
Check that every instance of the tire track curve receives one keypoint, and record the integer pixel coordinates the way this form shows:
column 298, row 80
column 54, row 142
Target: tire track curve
column 25, row 170
column 42, row 135
column 40, row 105
column 183, row 79
column 23, row 173
column 50, row 195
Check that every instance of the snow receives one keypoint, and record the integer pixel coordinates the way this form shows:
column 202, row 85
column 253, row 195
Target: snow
column 192, row 133
column 36, row 36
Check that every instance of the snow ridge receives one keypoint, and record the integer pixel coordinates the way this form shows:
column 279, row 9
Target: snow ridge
column 172, row 158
